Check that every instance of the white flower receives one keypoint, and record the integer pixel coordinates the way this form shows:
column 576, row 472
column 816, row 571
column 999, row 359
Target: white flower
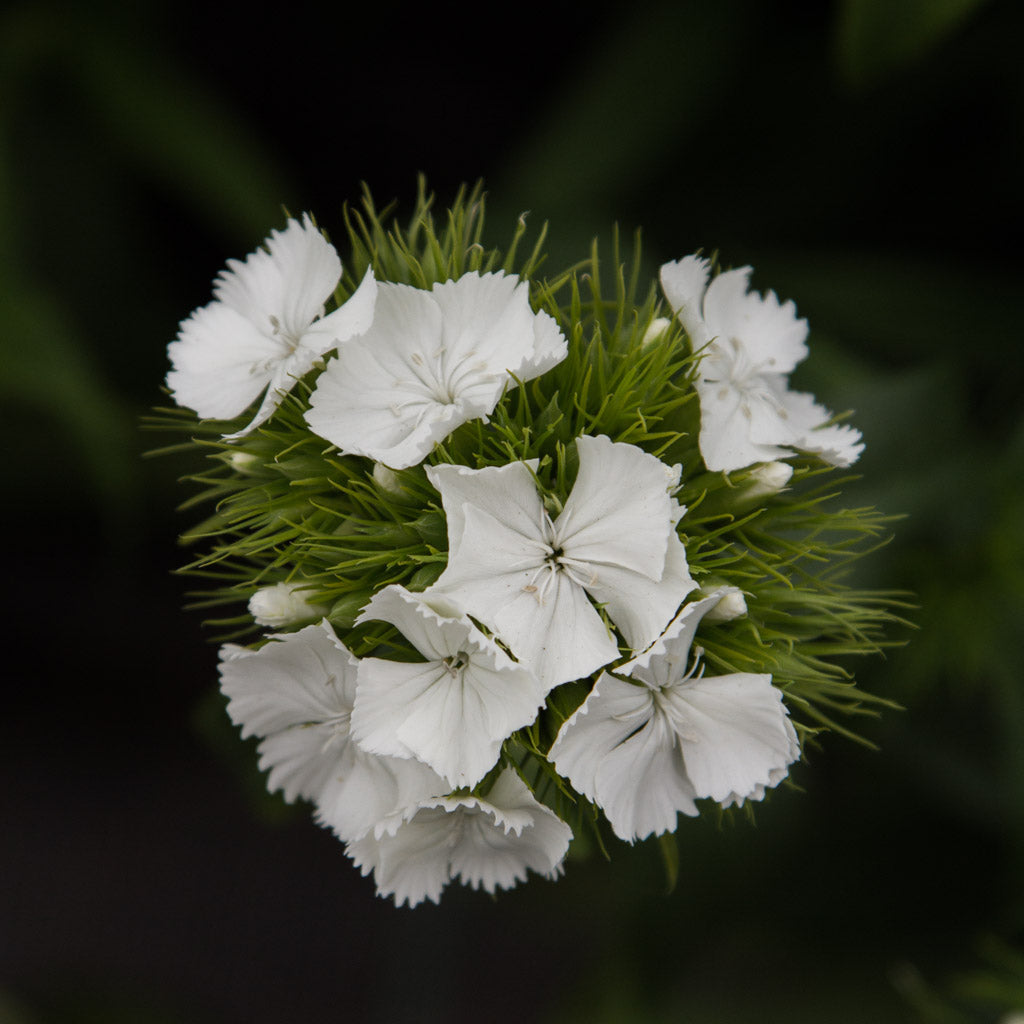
column 266, row 327
column 430, row 362
column 485, row 842
column 644, row 750
column 749, row 344
column 283, row 604
column 531, row 580
column 297, row 694
column 452, row 711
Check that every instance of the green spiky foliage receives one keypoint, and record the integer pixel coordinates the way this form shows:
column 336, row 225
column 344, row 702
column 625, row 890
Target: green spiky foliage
column 286, row 506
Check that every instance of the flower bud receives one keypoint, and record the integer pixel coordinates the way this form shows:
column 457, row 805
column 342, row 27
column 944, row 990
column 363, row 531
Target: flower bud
column 658, row 326
column 387, row 480
column 283, row 604
column 731, row 605
column 766, row 479
column 244, row 462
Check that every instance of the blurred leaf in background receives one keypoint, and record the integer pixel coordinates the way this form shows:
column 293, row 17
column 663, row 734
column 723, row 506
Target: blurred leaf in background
column 991, row 992
column 874, row 40
column 103, row 145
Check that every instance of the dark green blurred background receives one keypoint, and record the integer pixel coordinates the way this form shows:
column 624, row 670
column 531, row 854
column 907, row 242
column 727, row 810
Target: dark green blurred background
column 867, row 158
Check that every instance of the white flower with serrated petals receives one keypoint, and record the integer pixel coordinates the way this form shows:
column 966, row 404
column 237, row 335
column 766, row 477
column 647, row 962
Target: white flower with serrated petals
column 296, row 693
column 532, row 580
column 451, row 711
column 487, row 843
column 266, row 327
column 644, row 750
column 749, row 343
column 431, row 361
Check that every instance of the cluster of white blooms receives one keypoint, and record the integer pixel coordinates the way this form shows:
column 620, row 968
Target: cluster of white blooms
column 403, row 756
column 750, row 343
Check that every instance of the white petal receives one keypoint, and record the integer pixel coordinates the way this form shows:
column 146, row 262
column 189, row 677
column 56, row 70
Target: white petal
column 508, row 493
column 487, row 843
column 684, row 283
column 493, row 565
column 838, row 445
column 381, row 701
column 666, row 661
column 549, row 348
column 619, row 511
column 775, row 775
column 435, row 635
column 289, row 281
column 366, row 792
column 738, row 729
column 766, row 408
column 725, row 304
column 348, row 320
column 455, row 723
column 285, row 372
column 560, row 636
column 498, row 860
column 770, row 334
column 412, row 865
column 611, row 713
column 642, row 785
column 640, row 607
column 295, row 760
column 617, row 751
column 488, row 323
column 221, row 362
column 725, row 442
column 296, row 679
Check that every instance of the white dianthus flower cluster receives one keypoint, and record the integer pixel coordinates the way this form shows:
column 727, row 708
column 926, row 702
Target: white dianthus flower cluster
column 404, row 749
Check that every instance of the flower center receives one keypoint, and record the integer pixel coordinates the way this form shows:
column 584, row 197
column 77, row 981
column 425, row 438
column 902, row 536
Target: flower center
column 289, row 339
column 555, row 560
column 445, row 377
column 430, row 372
column 729, row 362
column 730, row 365
column 455, row 663
column 338, row 727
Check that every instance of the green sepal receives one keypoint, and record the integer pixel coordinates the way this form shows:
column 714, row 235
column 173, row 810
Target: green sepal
column 345, row 610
